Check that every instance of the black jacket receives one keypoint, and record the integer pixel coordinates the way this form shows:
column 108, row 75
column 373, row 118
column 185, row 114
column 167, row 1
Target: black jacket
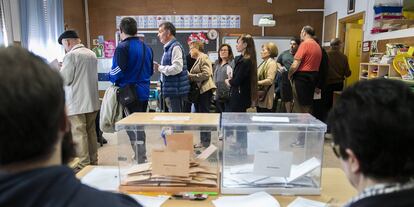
column 240, row 99
column 54, row 187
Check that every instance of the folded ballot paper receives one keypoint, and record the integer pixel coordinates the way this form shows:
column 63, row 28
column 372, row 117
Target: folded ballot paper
column 243, row 175
column 259, row 199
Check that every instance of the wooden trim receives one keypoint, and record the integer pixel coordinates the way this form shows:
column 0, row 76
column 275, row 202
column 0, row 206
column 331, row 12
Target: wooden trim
column 331, row 23
column 349, row 19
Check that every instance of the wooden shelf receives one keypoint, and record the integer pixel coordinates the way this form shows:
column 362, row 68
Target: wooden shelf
column 377, row 71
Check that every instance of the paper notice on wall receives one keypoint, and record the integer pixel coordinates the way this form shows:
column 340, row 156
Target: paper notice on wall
column 272, row 163
column 268, row 140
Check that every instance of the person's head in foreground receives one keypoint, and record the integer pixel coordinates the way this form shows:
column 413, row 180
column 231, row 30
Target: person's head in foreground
column 373, row 130
column 35, row 139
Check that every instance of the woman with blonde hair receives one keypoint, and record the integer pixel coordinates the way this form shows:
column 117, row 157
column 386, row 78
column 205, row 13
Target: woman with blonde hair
column 244, row 81
column 266, row 75
column 201, row 77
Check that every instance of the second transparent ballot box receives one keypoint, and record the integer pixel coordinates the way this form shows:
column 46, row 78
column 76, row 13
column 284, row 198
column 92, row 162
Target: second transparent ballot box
column 276, row 153
column 168, row 152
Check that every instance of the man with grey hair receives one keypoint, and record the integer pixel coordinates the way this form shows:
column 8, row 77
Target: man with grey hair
column 80, row 76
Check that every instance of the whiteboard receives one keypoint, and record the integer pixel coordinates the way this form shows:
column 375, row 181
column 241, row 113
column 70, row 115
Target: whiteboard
column 282, row 43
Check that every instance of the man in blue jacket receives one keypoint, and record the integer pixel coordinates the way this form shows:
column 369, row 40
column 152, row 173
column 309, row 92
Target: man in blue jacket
column 173, row 69
column 35, row 139
column 132, row 66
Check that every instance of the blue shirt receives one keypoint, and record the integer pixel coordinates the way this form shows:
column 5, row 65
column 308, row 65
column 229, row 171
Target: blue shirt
column 126, row 66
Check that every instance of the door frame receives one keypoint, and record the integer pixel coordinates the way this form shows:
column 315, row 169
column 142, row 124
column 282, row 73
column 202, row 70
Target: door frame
column 349, row 19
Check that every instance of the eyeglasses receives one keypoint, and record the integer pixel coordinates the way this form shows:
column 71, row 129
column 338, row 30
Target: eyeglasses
column 336, row 149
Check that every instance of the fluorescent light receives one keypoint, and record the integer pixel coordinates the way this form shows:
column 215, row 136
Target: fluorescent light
column 310, row 10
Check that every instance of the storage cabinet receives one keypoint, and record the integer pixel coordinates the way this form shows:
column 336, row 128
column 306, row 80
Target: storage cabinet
column 372, row 70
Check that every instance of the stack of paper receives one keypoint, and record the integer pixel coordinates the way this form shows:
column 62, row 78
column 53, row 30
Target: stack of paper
column 259, row 199
column 198, row 176
column 244, row 176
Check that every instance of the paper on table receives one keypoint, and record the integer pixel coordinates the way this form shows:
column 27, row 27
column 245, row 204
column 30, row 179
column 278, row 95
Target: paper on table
column 102, row 178
column 272, row 163
column 303, row 202
column 150, row 201
column 268, row 141
column 171, row 118
column 255, row 199
column 270, row 119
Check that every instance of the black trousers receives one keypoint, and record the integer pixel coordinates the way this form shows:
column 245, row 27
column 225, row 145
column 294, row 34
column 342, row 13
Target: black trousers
column 202, row 105
column 327, row 97
column 137, row 138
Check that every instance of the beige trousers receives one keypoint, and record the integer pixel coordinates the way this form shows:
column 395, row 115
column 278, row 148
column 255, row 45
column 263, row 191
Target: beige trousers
column 84, row 137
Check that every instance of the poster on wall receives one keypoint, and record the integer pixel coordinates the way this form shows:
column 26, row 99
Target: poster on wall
column 186, row 21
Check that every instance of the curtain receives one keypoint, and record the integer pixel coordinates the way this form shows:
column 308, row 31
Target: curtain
column 41, row 25
column 3, row 31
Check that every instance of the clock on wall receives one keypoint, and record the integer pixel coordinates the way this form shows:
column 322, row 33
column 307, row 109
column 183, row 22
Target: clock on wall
column 212, row 34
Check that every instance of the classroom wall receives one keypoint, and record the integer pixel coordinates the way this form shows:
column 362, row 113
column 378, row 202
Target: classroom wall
column 74, row 17
column 289, row 22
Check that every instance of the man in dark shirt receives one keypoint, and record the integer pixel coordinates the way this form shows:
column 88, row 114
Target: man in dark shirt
column 35, row 140
column 338, row 70
column 284, row 61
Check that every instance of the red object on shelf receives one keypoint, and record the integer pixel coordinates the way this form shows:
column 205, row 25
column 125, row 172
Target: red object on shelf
column 389, row 17
column 378, row 30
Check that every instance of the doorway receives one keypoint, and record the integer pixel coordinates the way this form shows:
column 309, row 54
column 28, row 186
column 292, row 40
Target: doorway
column 351, row 34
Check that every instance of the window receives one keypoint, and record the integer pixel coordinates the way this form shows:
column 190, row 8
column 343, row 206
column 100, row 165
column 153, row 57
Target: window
column 41, row 25
column 3, row 32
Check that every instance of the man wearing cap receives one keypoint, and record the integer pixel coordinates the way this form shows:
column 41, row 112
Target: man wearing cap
column 79, row 72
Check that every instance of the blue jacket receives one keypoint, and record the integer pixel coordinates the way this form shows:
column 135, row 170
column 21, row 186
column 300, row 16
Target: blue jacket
column 126, row 66
column 174, row 85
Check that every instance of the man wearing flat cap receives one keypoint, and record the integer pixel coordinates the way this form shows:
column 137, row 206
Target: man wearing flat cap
column 79, row 72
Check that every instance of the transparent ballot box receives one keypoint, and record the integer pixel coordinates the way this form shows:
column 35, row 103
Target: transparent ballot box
column 168, row 152
column 276, row 153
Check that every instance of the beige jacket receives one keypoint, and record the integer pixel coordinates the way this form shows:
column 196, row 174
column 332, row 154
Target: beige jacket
column 80, row 75
column 202, row 73
column 266, row 75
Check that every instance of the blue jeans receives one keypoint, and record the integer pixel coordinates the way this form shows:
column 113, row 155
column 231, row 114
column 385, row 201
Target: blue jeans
column 174, row 104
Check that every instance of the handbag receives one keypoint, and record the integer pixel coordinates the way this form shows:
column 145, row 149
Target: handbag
column 222, row 92
column 128, row 94
column 194, row 93
column 261, row 94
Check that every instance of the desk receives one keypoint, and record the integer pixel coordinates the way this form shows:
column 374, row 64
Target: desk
column 335, row 188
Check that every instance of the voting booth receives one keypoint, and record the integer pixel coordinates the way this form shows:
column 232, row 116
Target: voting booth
column 162, row 152
column 276, row 153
